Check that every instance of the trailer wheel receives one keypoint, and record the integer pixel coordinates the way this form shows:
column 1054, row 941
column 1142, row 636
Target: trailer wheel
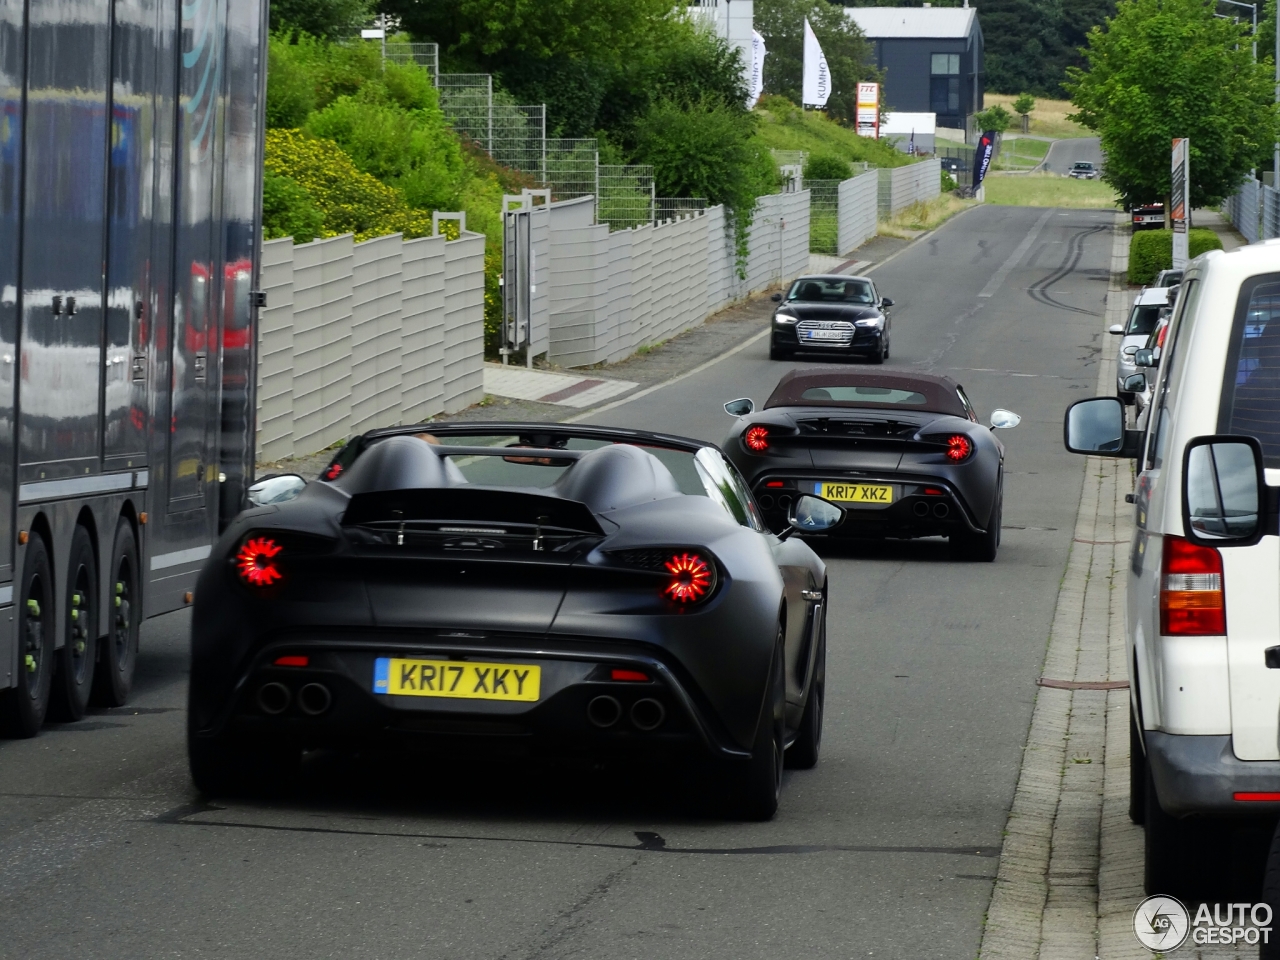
column 74, row 677
column 119, row 649
column 23, row 706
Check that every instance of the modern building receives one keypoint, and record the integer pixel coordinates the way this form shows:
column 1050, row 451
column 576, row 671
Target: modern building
column 932, row 59
column 732, row 20
column 908, row 131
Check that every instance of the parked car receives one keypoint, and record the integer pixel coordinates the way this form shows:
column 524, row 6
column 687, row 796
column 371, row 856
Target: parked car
column 1143, row 318
column 1083, row 170
column 1147, row 216
column 1203, row 618
column 1167, row 278
column 1147, row 360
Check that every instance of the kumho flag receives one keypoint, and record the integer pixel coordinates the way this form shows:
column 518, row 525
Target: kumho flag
column 817, row 76
column 755, row 84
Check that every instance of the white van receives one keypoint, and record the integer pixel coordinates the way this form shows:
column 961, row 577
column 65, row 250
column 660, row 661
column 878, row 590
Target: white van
column 1203, row 617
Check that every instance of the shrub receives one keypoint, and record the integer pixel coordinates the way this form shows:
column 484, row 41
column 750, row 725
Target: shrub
column 288, row 210
column 996, row 118
column 291, row 92
column 349, row 200
column 827, row 166
column 948, row 182
column 1151, row 251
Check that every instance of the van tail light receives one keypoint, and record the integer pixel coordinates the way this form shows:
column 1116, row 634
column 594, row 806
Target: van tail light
column 1192, row 601
column 757, row 439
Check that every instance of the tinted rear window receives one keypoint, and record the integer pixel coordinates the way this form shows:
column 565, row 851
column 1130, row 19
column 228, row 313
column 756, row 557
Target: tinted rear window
column 1251, row 393
column 865, row 394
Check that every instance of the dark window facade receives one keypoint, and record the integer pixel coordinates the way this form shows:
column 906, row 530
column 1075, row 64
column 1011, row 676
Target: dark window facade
column 944, row 83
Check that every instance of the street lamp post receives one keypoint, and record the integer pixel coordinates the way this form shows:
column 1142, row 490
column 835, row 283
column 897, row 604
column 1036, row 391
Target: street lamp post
column 1253, row 10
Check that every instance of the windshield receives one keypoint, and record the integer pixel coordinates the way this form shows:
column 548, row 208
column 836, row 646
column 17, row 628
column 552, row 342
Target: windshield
column 832, row 291
column 1143, row 320
column 1084, row 166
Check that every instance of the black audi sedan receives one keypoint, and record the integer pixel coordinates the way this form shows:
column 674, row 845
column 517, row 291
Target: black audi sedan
column 832, row 314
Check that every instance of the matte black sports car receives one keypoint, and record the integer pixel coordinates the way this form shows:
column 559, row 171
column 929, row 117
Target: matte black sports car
column 548, row 589
column 903, row 452
column 834, row 315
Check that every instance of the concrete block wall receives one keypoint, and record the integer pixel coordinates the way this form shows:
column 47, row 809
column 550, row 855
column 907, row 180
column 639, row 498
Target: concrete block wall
column 362, row 335
column 611, row 293
column 900, row 187
column 856, row 213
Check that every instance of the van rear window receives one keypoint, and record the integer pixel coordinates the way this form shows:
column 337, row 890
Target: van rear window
column 1251, row 395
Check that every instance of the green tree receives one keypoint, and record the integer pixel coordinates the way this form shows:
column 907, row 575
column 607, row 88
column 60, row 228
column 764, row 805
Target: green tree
column 329, row 19
column 1170, row 68
column 781, row 23
column 827, row 166
column 995, row 118
column 1024, row 104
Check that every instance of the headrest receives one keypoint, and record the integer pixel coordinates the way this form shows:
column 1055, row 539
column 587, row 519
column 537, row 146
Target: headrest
column 399, row 463
column 616, row 476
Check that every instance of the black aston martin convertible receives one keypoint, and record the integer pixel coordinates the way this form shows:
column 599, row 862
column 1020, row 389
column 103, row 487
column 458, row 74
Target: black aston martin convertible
column 542, row 589
column 903, row 452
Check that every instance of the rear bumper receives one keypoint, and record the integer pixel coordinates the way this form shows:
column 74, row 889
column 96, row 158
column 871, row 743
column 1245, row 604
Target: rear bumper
column 559, row 723
column 1201, row 775
column 913, row 514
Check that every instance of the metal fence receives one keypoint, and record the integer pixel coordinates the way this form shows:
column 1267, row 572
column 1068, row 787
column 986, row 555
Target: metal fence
column 674, row 208
column 518, row 138
column 426, row 55
column 571, row 168
column 625, row 197
column 824, row 216
column 362, row 335
column 900, row 187
column 466, row 100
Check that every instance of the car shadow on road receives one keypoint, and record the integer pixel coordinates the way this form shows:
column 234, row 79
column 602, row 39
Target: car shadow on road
column 924, row 550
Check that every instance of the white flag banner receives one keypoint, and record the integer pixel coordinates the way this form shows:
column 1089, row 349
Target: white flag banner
column 817, row 78
column 756, row 82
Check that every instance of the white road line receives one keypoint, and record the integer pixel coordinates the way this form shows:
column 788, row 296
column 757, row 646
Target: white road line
column 999, row 277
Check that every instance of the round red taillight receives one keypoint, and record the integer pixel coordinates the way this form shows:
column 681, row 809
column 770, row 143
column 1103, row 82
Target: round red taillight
column 690, row 578
column 757, row 438
column 256, row 563
column 959, row 447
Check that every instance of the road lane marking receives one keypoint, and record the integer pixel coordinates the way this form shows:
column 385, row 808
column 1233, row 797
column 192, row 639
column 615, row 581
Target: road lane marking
column 1005, row 268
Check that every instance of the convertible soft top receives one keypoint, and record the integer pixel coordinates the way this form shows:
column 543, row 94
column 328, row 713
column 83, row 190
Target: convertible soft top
column 909, row 391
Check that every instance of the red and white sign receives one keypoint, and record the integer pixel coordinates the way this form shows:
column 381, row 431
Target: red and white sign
column 868, row 118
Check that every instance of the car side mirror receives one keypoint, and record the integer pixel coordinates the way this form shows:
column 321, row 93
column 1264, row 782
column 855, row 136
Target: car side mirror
column 886, row 302
column 276, row 488
column 1116, row 329
column 739, row 408
column 1096, row 426
column 776, row 298
column 1144, row 358
column 1224, row 491
column 1002, row 419
column 810, row 514
column 1136, row 383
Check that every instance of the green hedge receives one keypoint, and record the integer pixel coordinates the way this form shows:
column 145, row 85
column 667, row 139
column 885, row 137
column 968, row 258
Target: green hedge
column 1151, row 251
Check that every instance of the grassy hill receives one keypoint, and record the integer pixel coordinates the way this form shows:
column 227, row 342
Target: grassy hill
column 784, row 126
column 1048, row 119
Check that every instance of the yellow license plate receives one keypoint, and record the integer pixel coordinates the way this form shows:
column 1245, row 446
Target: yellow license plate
column 465, row 680
column 856, row 492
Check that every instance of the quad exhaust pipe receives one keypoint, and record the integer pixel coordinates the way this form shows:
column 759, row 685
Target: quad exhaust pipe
column 604, row 711
column 647, row 714
column 921, row 509
column 941, row 511
column 274, row 698
column 314, row 699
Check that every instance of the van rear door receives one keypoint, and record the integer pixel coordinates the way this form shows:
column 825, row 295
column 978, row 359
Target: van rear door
column 1251, row 406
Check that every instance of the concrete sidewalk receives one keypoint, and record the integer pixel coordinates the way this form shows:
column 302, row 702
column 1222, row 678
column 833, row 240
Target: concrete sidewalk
column 567, row 390
column 1070, row 873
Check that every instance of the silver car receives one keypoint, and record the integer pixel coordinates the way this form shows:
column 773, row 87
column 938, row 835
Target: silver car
column 1142, row 321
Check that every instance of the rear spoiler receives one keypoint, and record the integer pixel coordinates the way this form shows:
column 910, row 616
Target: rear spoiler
column 471, row 505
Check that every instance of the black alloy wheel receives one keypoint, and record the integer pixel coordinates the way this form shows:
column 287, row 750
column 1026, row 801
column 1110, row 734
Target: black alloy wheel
column 804, row 750
column 118, row 651
column 882, row 351
column 777, row 353
column 754, row 788
column 23, row 706
column 74, row 678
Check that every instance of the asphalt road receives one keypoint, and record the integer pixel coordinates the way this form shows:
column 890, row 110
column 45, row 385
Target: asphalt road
column 887, row 849
column 1063, row 153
